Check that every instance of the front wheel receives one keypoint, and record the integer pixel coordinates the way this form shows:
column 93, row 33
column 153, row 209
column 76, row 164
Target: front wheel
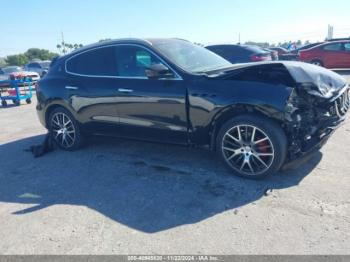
column 64, row 129
column 252, row 146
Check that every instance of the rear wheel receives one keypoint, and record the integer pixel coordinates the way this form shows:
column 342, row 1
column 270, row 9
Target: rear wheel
column 252, row 146
column 64, row 129
column 28, row 101
column 317, row 62
column 4, row 103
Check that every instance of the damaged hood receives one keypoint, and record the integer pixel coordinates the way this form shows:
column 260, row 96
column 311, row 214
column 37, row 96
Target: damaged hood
column 315, row 79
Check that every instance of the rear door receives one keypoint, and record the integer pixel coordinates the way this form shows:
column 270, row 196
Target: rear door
column 151, row 109
column 92, row 88
column 332, row 55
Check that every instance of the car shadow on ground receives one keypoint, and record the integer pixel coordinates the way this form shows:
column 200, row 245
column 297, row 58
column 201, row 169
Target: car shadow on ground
column 147, row 187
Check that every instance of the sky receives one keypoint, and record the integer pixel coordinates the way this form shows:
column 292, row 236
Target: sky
column 39, row 23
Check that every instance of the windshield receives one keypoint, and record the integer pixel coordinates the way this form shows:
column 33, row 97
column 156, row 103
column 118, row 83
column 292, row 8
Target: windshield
column 190, row 57
column 12, row 69
column 45, row 64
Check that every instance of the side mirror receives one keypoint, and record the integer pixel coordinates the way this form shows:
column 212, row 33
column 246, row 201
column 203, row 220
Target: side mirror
column 157, row 71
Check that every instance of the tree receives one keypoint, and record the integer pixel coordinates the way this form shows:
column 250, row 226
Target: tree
column 2, row 62
column 42, row 54
column 65, row 48
column 260, row 44
column 17, row 60
column 103, row 40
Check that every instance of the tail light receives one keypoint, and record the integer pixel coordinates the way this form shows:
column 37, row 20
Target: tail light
column 301, row 55
column 260, row 57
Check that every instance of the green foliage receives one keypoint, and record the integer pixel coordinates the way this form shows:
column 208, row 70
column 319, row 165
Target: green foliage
column 65, row 48
column 260, row 44
column 42, row 54
column 30, row 54
column 2, row 62
column 281, row 44
column 17, row 60
column 103, row 40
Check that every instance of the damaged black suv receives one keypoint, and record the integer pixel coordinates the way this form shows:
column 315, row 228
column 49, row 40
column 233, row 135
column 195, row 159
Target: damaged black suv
column 258, row 117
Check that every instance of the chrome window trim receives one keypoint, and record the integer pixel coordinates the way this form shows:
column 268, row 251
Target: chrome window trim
column 177, row 76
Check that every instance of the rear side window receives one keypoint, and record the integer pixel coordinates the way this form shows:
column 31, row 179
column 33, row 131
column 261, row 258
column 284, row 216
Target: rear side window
column 347, row 47
column 97, row 62
column 333, row 47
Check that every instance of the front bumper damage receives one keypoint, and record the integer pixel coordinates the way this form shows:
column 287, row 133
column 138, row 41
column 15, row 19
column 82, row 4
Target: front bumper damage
column 310, row 130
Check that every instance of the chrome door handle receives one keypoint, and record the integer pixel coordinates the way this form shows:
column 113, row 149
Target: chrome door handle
column 72, row 87
column 123, row 90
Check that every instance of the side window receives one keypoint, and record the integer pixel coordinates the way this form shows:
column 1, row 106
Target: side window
column 97, row 62
column 35, row 65
column 132, row 61
column 332, row 47
column 1, row 72
column 347, row 47
column 30, row 65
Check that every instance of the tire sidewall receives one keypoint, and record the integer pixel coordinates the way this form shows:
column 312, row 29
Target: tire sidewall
column 78, row 137
column 270, row 128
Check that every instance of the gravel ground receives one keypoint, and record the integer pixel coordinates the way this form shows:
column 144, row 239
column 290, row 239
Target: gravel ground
column 126, row 197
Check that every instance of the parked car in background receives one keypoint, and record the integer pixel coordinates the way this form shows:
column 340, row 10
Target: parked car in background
column 256, row 116
column 273, row 53
column 304, row 47
column 3, row 77
column 41, row 67
column 335, row 54
column 284, row 54
column 16, row 72
column 240, row 53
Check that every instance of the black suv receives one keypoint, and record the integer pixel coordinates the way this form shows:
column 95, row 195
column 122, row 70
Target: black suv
column 257, row 116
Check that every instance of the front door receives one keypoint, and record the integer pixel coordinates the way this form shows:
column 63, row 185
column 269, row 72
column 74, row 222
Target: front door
column 152, row 109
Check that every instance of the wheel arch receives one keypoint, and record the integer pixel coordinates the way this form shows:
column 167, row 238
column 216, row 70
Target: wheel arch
column 52, row 106
column 231, row 111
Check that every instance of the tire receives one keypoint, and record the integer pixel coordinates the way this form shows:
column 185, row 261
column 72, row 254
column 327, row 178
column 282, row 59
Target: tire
column 317, row 62
column 258, row 153
column 4, row 103
column 65, row 130
column 16, row 102
column 28, row 101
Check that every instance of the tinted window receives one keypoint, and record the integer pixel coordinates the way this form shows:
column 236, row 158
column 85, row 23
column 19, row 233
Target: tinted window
column 333, row 47
column 132, row 61
column 35, row 65
column 45, row 64
column 255, row 49
column 347, row 47
column 97, row 62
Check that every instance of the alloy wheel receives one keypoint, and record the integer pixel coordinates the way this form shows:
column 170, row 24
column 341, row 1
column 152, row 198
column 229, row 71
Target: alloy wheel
column 63, row 130
column 248, row 150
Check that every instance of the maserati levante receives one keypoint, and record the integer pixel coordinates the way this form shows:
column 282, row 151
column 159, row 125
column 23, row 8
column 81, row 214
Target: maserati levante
column 258, row 117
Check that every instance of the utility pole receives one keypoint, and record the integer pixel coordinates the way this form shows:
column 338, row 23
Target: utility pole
column 63, row 44
column 239, row 38
column 330, row 32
